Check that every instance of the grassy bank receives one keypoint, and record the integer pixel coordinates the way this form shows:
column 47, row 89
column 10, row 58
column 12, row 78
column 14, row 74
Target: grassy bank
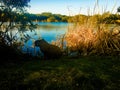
column 84, row 73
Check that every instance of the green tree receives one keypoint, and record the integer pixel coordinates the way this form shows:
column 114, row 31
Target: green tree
column 12, row 16
column 118, row 9
column 51, row 19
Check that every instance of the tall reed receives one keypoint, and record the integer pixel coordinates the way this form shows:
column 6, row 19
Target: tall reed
column 91, row 36
column 88, row 40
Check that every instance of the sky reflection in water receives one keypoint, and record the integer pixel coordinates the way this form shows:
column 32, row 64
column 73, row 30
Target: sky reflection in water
column 47, row 31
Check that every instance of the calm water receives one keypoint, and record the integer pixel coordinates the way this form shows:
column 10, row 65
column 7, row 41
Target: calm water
column 47, row 31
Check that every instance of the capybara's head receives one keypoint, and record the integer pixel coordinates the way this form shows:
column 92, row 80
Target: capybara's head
column 37, row 42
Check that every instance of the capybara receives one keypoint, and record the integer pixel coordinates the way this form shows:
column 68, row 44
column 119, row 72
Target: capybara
column 49, row 51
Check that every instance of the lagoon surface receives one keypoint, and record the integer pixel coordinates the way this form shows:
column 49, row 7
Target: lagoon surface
column 49, row 31
column 46, row 30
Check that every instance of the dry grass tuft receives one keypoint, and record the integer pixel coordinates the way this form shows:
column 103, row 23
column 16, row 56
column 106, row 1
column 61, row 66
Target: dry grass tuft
column 100, row 40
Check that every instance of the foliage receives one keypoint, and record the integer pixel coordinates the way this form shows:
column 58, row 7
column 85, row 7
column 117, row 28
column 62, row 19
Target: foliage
column 106, row 18
column 13, row 27
column 79, row 19
column 12, row 17
column 112, row 19
column 118, row 10
column 14, row 3
column 47, row 17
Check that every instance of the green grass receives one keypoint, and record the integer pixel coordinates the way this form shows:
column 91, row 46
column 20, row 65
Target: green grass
column 84, row 73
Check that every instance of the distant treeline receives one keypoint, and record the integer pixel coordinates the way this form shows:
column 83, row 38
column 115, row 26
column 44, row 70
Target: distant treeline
column 106, row 17
column 48, row 17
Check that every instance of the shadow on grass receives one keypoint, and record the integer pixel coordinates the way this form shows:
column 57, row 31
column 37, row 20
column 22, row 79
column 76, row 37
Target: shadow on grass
column 84, row 73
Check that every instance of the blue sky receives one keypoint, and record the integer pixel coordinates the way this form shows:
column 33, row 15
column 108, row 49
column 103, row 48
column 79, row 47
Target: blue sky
column 73, row 7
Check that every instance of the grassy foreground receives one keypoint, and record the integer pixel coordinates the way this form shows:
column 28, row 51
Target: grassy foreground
column 84, row 73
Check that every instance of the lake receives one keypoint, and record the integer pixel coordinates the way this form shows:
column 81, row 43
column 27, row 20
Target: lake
column 46, row 30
